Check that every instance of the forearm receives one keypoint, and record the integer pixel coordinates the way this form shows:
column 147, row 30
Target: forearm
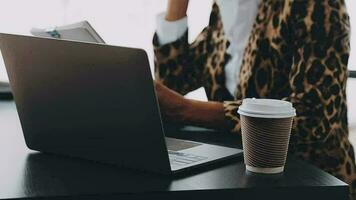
column 176, row 9
column 175, row 108
column 204, row 114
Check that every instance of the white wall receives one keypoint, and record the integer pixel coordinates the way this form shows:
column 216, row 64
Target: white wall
column 119, row 22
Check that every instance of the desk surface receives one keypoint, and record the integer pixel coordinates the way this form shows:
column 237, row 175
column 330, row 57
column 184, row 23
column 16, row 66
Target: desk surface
column 29, row 174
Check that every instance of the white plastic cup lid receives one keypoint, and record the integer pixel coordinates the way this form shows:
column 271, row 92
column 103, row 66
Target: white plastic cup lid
column 266, row 108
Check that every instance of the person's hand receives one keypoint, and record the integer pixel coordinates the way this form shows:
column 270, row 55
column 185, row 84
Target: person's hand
column 172, row 104
column 176, row 9
column 175, row 108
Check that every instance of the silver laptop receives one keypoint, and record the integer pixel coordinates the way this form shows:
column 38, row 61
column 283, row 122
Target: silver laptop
column 96, row 102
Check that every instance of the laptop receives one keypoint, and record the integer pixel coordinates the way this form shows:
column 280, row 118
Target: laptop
column 5, row 91
column 97, row 102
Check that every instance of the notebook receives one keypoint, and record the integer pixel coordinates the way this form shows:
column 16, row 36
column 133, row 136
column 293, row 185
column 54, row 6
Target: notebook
column 80, row 31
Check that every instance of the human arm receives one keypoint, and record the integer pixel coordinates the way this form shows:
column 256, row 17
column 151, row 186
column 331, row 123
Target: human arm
column 182, row 66
column 176, row 9
column 319, row 73
column 177, row 109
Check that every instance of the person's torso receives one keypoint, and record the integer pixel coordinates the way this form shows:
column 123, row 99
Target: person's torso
column 237, row 17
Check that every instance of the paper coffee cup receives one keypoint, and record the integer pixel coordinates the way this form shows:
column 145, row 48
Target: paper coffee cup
column 265, row 126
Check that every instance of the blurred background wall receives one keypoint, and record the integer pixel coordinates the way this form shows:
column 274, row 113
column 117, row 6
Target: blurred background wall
column 119, row 22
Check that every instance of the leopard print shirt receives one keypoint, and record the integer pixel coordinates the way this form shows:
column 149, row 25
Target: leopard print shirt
column 298, row 51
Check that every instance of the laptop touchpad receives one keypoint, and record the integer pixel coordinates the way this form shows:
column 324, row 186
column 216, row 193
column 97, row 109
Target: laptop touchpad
column 177, row 145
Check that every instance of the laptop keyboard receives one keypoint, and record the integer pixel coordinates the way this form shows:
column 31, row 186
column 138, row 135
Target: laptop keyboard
column 178, row 159
column 177, row 145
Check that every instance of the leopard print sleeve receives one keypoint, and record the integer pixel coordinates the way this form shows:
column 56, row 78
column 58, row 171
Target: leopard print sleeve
column 231, row 117
column 319, row 70
column 176, row 65
column 184, row 67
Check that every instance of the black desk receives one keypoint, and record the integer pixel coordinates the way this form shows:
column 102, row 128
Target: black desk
column 28, row 174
